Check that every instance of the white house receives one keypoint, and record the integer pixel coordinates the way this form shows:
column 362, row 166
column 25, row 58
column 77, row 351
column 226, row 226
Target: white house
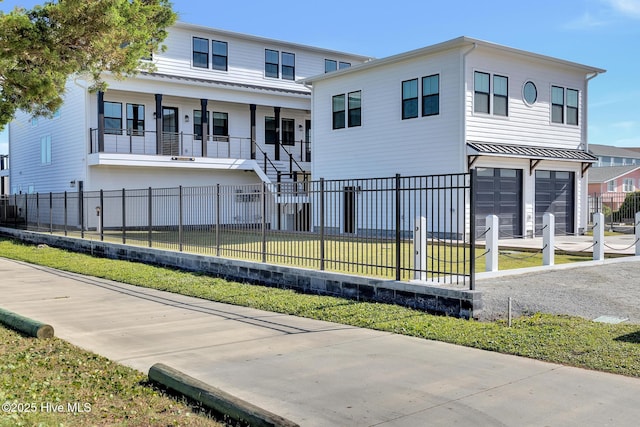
column 516, row 117
column 146, row 131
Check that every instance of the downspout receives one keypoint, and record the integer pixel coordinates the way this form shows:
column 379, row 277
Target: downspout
column 585, row 145
column 463, row 122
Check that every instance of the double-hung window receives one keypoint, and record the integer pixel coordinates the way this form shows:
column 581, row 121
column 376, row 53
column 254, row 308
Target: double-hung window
column 500, row 95
column 219, row 59
column 410, row 99
column 572, row 107
column 481, row 92
column 220, row 126
column 135, row 119
column 355, row 109
column 611, row 185
column 271, row 63
column 270, row 132
column 113, row 118
column 557, row 104
column 627, row 185
column 197, row 124
column 338, row 108
column 431, row 95
column 288, row 66
column 200, row 52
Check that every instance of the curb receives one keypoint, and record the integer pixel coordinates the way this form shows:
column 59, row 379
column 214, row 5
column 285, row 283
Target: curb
column 214, row 398
column 31, row 327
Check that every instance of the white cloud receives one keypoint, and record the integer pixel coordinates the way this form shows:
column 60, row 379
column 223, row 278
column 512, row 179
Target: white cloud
column 585, row 22
column 629, row 8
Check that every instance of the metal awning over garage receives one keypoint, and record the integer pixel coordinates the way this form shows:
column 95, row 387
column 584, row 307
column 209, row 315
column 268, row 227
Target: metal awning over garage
column 534, row 154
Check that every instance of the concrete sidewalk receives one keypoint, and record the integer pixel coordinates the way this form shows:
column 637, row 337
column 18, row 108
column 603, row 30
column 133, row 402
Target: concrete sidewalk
column 311, row 372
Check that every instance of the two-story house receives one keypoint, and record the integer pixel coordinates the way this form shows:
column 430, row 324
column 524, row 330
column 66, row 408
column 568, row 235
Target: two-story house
column 220, row 107
column 516, row 117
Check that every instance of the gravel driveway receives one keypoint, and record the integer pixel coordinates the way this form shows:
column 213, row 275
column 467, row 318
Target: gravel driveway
column 589, row 290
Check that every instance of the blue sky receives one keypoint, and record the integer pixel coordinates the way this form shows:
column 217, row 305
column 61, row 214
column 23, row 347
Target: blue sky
column 601, row 33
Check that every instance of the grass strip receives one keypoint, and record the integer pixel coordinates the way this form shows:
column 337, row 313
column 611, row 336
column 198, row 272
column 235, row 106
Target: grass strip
column 53, row 383
column 560, row 339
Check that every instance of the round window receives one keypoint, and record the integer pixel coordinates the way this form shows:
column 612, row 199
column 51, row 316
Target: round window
column 530, row 93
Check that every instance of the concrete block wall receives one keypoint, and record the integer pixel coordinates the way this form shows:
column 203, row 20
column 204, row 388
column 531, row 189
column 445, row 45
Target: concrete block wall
column 432, row 298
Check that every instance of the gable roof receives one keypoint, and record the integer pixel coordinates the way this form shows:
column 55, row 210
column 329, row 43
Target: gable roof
column 458, row 43
column 605, row 174
column 611, row 151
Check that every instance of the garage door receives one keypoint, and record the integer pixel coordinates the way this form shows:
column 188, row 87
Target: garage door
column 555, row 194
column 499, row 192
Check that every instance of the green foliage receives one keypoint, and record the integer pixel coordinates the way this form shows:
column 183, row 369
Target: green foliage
column 559, row 339
column 42, row 47
column 629, row 207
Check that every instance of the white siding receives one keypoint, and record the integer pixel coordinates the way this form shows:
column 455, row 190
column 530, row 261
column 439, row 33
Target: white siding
column 385, row 144
column 246, row 58
column 69, row 147
column 525, row 124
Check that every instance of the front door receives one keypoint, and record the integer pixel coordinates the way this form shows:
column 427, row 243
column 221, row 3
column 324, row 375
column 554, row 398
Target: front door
column 170, row 136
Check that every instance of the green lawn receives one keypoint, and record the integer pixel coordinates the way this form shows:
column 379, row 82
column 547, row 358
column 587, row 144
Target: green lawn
column 560, row 339
column 53, row 383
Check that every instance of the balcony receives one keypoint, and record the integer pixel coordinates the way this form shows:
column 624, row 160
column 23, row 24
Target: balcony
column 131, row 147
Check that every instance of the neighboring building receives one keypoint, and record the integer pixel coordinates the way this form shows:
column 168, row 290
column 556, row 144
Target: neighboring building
column 614, row 179
column 614, row 156
column 517, row 118
column 147, row 131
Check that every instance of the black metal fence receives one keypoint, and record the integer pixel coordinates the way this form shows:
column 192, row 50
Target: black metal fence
column 359, row 226
column 619, row 209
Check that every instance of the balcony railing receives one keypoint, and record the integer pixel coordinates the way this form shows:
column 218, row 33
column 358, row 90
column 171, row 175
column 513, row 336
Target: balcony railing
column 184, row 144
column 4, row 162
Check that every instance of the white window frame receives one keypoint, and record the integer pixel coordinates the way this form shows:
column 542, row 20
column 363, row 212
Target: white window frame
column 45, row 150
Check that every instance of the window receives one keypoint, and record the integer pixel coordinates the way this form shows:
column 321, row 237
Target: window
column 410, row 99
column 481, row 93
column 330, row 65
column 431, row 95
column 197, row 124
column 220, row 126
column 135, row 119
column 572, row 107
column 338, row 108
column 288, row 134
column 500, row 95
column 34, row 121
column 530, row 93
column 45, row 150
column 627, row 185
column 219, row 59
column 557, row 104
column 113, row 118
column 200, row 52
column 355, row 109
column 271, row 63
column 611, row 185
column 270, row 134
column 288, row 66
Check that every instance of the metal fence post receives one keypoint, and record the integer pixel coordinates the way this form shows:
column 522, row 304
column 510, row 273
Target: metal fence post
column 101, row 217
column 180, row 219
column 637, row 226
column 66, row 205
column 150, row 219
column 124, row 216
column 81, row 209
column 50, row 212
column 26, row 211
column 397, row 218
column 263, row 224
column 321, row 223
column 472, row 233
column 217, row 219
column 37, row 211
